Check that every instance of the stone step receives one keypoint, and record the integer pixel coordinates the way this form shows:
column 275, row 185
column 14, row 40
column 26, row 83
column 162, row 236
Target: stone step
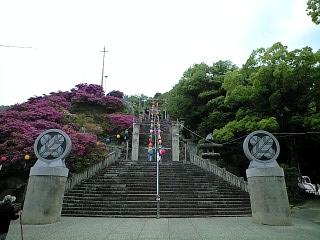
column 162, row 181
column 138, row 185
column 162, row 193
column 128, row 189
column 163, row 205
column 163, row 209
column 185, row 202
column 140, row 212
column 151, row 197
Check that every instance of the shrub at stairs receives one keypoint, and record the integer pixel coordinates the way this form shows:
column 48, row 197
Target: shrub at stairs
column 82, row 113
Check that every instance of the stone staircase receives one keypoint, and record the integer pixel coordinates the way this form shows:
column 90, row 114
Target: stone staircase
column 128, row 189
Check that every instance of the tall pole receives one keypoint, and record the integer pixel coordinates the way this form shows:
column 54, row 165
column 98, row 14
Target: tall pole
column 158, row 173
column 104, row 54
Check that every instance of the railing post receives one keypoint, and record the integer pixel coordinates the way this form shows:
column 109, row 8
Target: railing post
column 185, row 152
column 241, row 179
column 223, row 173
column 207, row 164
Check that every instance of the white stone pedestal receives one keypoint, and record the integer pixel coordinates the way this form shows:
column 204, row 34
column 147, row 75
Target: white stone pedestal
column 44, row 196
column 268, row 196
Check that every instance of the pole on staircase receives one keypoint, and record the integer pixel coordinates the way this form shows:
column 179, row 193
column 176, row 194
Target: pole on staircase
column 158, row 195
column 157, row 161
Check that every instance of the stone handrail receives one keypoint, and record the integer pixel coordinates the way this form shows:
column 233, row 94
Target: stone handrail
column 221, row 172
column 77, row 178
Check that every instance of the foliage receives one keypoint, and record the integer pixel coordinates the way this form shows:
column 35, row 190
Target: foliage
column 275, row 90
column 313, row 10
column 91, row 97
column 80, row 113
column 2, row 107
column 278, row 91
column 113, row 104
column 116, row 94
column 295, row 194
column 119, row 122
column 198, row 96
column 85, row 150
column 138, row 102
column 244, row 125
column 22, row 123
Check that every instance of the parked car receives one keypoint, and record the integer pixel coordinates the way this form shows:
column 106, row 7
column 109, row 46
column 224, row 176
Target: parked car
column 304, row 182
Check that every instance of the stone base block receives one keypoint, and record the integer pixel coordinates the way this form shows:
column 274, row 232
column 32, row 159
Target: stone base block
column 268, row 196
column 44, row 196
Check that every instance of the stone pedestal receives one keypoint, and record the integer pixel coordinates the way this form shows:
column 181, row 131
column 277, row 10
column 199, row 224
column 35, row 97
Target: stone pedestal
column 44, row 196
column 268, row 196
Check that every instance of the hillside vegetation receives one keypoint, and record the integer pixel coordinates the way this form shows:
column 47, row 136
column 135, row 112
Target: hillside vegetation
column 276, row 90
column 85, row 113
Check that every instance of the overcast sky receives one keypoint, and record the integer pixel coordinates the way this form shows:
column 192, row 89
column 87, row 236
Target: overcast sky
column 150, row 42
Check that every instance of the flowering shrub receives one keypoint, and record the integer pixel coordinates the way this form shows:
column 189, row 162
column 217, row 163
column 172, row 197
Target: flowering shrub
column 88, row 93
column 87, row 89
column 85, row 150
column 21, row 124
column 113, row 104
column 17, row 138
column 92, row 98
column 119, row 122
column 59, row 100
column 116, row 94
column 93, row 128
column 81, row 142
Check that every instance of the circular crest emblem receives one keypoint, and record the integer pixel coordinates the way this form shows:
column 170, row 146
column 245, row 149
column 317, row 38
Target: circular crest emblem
column 51, row 145
column 261, row 146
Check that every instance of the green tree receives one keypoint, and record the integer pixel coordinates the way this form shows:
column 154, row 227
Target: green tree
column 198, row 96
column 2, row 107
column 276, row 90
column 137, row 103
column 313, row 10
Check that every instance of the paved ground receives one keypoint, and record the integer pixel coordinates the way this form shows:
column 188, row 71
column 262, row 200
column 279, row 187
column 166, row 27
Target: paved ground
column 305, row 217
column 237, row 228
column 309, row 209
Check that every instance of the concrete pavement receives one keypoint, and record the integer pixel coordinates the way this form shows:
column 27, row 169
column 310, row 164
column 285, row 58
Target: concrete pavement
column 237, row 228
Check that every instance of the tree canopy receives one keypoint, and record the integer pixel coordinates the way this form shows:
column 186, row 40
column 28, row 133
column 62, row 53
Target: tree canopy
column 199, row 96
column 313, row 10
column 275, row 90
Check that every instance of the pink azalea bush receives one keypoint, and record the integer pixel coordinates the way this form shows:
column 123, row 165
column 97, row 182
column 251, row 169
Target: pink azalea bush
column 116, row 94
column 119, row 122
column 20, row 125
column 113, row 104
column 88, row 93
column 93, row 95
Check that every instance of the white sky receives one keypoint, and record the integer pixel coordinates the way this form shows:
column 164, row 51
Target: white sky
column 150, row 42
